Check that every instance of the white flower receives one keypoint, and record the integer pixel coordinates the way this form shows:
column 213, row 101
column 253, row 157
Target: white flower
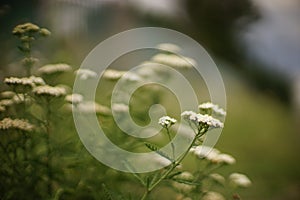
column 47, row 90
column 74, row 98
column 187, row 114
column 166, row 121
column 85, row 74
column 120, row 107
column 7, row 94
column 6, row 102
column 169, row 47
column 20, row 98
column 19, row 124
column 161, row 161
column 240, row 180
column 208, row 106
column 204, row 152
column 54, row 68
column 133, row 77
column 224, row 158
column 218, row 178
column 199, row 119
column 213, row 196
column 90, row 107
column 183, row 187
column 113, row 75
column 175, row 61
column 25, row 81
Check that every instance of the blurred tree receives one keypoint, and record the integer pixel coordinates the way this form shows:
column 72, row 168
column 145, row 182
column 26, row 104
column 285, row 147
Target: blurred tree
column 217, row 23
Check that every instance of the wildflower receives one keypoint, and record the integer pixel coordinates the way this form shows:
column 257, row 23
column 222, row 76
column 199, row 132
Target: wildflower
column 166, row 121
column 91, row 107
column 47, row 90
column 7, row 94
column 18, row 124
column 209, row 107
column 2, row 108
column 174, row 61
column 200, row 119
column 74, row 98
column 29, row 61
column 217, row 178
column 85, row 74
column 130, row 76
column 213, row 196
column 240, row 180
column 6, row 102
column 24, row 84
column 20, row 98
column 181, row 182
column 112, row 75
column 120, row 107
column 25, row 28
column 204, row 152
column 169, row 47
column 54, row 68
column 44, row 32
column 161, row 161
column 224, row 158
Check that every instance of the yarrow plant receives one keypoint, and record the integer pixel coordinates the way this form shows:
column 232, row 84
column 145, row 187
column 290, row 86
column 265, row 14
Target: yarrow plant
column 40, row 151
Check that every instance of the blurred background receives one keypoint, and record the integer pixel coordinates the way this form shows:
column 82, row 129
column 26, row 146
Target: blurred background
column 255, row 43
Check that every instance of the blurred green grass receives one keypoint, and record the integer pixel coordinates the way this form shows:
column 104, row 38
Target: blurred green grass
column 260, row 132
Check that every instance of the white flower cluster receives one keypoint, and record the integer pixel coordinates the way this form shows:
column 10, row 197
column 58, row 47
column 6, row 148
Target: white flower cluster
column 47, row 90
column 240, row 180
column 54, row 68
column 166, row 121
column 31, row 81
column 175, row 61
column 212, row 155
column 19, row 124
column 113, row 75
column 74, row 98
column 172, row 48
column 218, row 178
column 200, row 119
column 88, row 107
column 120, row 107
column 85, row 74
column 213, row 196
column 210, row 107
column 182, row 187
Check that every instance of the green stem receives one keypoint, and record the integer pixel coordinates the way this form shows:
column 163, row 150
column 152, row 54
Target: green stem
column 169, row 170
column 172, row 144
column 48, row 156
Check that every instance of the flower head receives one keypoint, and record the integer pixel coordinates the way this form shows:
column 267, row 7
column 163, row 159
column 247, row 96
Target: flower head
column 49, row 91
column 180, row 184
column 24, row 84
column 173, row 48
column 54, row 68
column 112, row 74
column 199, row 119
column 74, row 98
column 18, row 124
column 240, row 180
column 209, row 108
column 85, row 74
column 213, row 196
column 166, row 121
column 175, row 61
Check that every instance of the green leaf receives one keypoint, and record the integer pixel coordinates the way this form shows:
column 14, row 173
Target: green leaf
column 186, row 181
column 155, row 148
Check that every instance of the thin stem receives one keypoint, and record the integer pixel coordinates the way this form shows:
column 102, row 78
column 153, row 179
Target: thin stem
column 48, row 156
column 172, row 144
column 173, row 166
